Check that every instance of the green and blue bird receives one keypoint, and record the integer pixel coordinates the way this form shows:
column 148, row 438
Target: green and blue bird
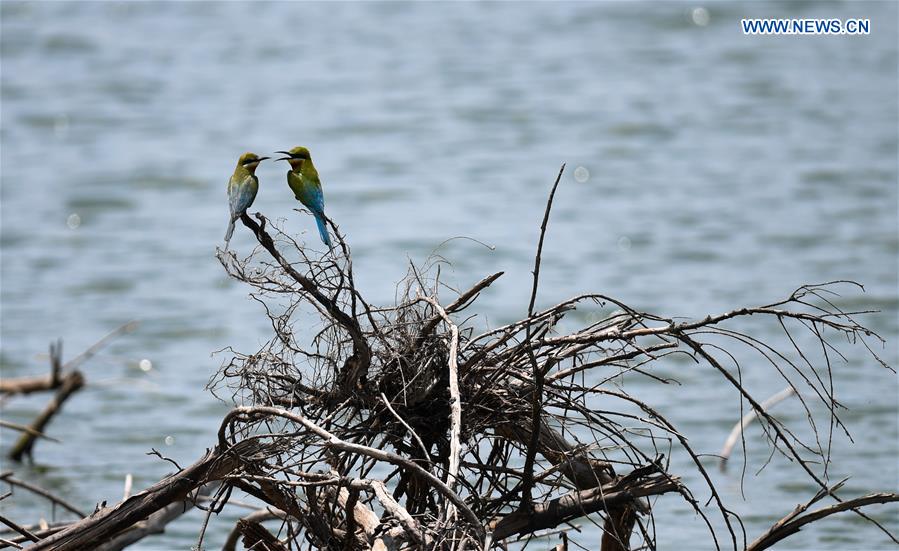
column 307, row 188
column 242, row 189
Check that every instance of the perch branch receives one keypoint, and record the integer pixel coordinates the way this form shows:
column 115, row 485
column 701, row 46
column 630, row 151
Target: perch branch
column 362, row 352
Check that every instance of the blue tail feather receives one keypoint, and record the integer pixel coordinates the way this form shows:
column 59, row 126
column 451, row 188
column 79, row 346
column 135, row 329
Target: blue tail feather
column 322, row 229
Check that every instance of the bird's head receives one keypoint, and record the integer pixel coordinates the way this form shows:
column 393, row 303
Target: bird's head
column 250, row 161
column 295, row 156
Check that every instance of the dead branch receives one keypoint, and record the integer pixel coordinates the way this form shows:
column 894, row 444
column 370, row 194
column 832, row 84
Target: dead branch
column 361, row 357
column 577, row 504
column 332, row 441
column 537, row 372
column 71, row 383
column 108, row 522
column 53, row 498
column 29, row 430
column 64, row 378
column 52, row 381
column 37, row 530
column 27, row 385
column 255, row 517
column 27, row 534
column 256, row 537
column 409, row 426
column 157, row 521
column 794, row 521
column 495, row 421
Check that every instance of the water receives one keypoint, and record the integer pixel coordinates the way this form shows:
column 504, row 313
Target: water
column 723, row 170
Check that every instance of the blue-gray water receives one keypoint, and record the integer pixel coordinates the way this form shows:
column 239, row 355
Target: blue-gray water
column 724, row 170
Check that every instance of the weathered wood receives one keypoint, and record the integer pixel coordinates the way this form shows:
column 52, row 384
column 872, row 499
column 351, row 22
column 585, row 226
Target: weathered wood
column 577, row 504
column 26, row 385
column 793, row 522
column 27, row 533
column 256, row 516
column 108, row 522
column 71, row 383
column 156, row 523
column 616, row 534
column 256, row 537
column 53, row 380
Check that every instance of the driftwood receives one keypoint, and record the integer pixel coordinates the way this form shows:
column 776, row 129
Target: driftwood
column 793, row 522
column 70, row 384
column 417, row 426
column 108, row 522
column 51, row 381
column 65, row 379
column 27, row 385
column 27, row 534
column 489, row 423
column 157, row 521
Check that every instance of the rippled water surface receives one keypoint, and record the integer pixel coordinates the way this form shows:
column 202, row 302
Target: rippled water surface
column 717, row 170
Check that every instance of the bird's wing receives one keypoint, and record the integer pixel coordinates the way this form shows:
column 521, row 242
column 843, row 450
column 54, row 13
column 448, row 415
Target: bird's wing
column 233, row 191
column 241, row 195
column 307, row 190
column 295, row 183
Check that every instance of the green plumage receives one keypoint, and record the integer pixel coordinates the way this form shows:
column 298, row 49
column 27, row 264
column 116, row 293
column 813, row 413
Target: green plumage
column 303, row 180
column 306, row 186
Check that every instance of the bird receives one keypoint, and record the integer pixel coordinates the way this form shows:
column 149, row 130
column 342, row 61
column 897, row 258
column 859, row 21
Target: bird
column 307, row 188
column 242, row 188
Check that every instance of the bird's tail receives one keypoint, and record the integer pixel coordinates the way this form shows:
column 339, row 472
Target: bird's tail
column 229, row 233
column 322, row 229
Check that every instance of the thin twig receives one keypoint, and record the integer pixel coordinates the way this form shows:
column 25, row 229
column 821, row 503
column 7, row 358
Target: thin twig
column 9, row 479
column 536, row 371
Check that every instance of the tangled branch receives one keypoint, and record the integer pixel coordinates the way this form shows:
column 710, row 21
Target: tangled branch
column 500, row 425
column 417, row 426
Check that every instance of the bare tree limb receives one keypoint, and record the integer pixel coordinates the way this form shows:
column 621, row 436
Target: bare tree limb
column 9, row 479
column 793, row 522
column 70, row 384
column 106, row 523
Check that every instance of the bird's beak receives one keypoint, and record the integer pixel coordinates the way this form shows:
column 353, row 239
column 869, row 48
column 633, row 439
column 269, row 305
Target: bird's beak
column 283, row 152
column 260, row 159
column 283, row 159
